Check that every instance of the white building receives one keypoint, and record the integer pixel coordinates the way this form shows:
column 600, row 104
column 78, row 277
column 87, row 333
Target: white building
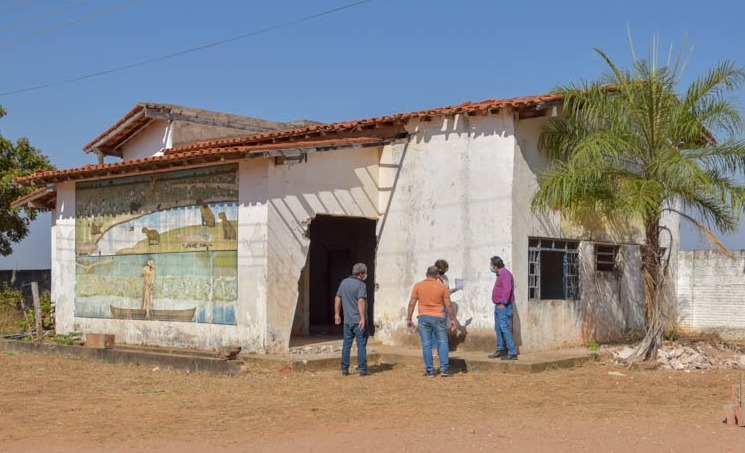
column 253, row 233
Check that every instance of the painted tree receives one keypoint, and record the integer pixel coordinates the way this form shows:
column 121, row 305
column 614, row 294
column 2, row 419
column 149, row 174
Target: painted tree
column 631, row 146
column 16, row 159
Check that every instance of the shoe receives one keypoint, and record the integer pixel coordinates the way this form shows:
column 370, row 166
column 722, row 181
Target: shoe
column 345, row 373
column 445, row 374
column 496, row 354
column 428, row 374
column 509, row 357
column 364, row 373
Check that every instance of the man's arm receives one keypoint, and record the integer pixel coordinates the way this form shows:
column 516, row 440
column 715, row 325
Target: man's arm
column 362, row 307
column 451, row 312
column 410, row 312
column 337, row 310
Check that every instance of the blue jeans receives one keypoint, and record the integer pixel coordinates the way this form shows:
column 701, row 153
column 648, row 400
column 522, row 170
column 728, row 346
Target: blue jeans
column 503, row 327
column 352, row 331
column 434, row 335
column 430, row 326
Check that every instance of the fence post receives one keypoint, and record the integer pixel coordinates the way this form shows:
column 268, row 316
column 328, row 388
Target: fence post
column 37, row 311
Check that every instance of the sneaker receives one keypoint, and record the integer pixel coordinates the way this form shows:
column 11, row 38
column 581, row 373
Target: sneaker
column 496, row 354
column 345, row 373
column 364, row 373
column 445, row 374
column 428, row 374
column 509, row 357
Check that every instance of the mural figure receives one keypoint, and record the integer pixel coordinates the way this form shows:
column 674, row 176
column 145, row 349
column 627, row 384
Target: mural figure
column 208, row 217
column 153, row 237
column 228, row 229
column 148, row 277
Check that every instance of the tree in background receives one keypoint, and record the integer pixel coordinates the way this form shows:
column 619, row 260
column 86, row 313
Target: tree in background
column 631, row 146
column 16, row 159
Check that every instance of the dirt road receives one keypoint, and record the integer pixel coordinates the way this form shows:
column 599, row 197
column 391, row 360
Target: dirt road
column 55, row 404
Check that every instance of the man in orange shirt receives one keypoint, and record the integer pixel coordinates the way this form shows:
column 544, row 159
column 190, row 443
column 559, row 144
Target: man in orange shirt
column 433, row 298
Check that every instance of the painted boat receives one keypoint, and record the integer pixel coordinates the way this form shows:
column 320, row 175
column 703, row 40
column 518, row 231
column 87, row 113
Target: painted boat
column 183, row 315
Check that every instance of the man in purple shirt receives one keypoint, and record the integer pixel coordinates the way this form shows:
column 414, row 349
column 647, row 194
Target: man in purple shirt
column 503, row 298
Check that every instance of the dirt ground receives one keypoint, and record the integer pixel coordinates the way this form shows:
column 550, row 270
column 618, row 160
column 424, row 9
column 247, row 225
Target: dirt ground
column 55, row 404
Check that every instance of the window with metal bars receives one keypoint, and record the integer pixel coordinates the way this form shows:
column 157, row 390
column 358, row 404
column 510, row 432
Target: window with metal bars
column 553, row 269
column 605, row 257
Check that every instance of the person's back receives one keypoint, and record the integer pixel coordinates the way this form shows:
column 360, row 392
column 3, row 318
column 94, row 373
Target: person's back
column 351, row 296
column 431, row 295
column 351, row 290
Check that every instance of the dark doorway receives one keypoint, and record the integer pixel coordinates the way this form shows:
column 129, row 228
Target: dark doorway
column 336, row 243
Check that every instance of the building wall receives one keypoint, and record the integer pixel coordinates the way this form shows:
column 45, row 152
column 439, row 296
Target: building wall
column 450, row 192
column 250, row 310
column 460, row 190
column 342, row 183
column 711, row 293
column 610, row 304
column 148, row 142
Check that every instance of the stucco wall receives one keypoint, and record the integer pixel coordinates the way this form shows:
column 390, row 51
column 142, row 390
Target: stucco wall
column 711, row 292
column 149, row 142
column 342, row 182
column 451, row 198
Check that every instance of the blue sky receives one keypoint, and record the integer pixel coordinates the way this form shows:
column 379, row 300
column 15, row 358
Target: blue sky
column 373, row 58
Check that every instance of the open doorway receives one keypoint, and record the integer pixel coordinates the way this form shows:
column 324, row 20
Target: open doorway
column 336, row 243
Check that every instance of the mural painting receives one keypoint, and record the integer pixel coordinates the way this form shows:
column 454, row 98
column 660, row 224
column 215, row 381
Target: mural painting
column 159, row 247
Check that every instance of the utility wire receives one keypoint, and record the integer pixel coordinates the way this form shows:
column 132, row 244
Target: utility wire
column 187, row 51
column 43, row 16
column 67, row 24
column 18, row 5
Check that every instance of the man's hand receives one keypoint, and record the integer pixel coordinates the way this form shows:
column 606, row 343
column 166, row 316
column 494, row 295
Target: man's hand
column 410, row 324
column 337, row 319
column 361, row 325
column 451, row 325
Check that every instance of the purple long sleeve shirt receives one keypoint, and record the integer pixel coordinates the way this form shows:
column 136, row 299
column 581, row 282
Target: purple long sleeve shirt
column 504, row 288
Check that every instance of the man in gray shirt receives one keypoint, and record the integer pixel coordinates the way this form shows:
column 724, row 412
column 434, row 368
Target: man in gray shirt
column 352, row 296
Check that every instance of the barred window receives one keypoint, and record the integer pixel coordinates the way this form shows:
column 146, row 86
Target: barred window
column 605, row 257
column 553, row 269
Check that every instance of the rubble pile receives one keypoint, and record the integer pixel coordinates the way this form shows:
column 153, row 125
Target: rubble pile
column 698, row 355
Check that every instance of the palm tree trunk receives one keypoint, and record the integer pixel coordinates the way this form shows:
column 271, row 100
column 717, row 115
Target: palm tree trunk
column 652, row 274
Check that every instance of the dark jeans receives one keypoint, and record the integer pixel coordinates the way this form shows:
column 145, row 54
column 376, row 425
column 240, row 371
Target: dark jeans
column 352, row 331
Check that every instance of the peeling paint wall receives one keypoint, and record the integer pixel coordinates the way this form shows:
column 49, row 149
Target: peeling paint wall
column 451, row 198
column 711, row 293
column 344, row 183
column 460, row 190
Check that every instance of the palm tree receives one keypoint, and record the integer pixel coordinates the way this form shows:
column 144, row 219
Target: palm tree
column 630, row 146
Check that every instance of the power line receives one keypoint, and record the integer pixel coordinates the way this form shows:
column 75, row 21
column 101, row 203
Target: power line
column 188, row 51
column 67, row 24
column 18, row 5
column 43, row 16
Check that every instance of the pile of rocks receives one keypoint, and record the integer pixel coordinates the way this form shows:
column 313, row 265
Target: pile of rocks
column 694, row 356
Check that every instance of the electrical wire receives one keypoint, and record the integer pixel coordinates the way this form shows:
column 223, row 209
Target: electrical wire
column 43, row 16
column 18, row 5
column 187, row 51
column 67, row 24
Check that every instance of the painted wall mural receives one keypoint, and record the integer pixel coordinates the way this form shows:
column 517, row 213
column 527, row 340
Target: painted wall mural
column 159, row 247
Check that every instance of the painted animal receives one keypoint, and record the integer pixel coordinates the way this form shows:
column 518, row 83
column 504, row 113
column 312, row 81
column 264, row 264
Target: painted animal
column 208, row 218
column 153, row 237
column 195, row 240
column 228, row 229
column 96, row 228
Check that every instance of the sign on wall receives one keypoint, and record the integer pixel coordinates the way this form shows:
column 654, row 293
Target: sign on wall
column 159, row 247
